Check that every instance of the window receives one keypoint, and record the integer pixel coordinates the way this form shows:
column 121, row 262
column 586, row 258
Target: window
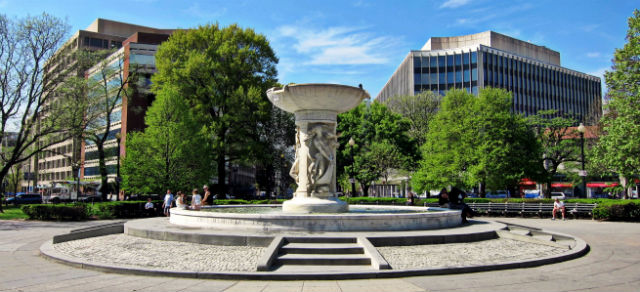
column 441, row 63
column 465, row 59
column 458, row 60
column 450, row 77
column 116, row 44
column 433, row 62
column 450, row 61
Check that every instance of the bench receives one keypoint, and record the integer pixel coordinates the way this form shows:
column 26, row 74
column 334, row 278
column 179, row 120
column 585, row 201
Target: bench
column 522, row 209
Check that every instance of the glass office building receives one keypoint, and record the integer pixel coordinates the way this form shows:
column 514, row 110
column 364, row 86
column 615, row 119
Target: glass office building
column 531, row 73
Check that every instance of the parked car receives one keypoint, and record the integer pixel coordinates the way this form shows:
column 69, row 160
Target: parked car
column 532, row 194
column 558, row 195
column 90, row 199
column 21, row 198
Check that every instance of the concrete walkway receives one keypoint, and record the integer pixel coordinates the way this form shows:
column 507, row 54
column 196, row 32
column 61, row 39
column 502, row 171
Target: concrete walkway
column 613, row 264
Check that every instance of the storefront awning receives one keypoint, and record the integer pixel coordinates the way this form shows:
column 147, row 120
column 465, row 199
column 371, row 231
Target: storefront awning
column 602, row 185
column 561, row 185
column 527, row 182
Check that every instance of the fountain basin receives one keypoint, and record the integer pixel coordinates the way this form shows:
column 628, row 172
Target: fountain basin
column 378, row 220
column 316, row 97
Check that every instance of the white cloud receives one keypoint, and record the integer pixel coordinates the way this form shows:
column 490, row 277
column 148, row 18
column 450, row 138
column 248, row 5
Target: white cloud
column 454, row 3
column 338, row 45
column 593, row 54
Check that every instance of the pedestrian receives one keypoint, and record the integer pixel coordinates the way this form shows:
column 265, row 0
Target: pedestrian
column 443, row 198
column 456, row 201
column 167, row 202
column 196, row 200
column 411, row 198
column 181, row 201
column 207, row 194
column 149, row 208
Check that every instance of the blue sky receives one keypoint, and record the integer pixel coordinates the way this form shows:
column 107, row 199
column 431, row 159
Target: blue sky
column 362, row 42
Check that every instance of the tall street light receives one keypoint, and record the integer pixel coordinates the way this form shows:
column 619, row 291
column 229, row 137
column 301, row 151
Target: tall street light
column 582, row 129
column 118, row 179
column 352, row 178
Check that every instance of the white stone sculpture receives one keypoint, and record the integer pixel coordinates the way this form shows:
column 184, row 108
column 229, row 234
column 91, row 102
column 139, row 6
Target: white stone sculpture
column 316, row 107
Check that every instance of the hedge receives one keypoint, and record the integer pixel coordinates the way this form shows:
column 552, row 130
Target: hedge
column 122, row 209
column 77, row 211
column 618, row 210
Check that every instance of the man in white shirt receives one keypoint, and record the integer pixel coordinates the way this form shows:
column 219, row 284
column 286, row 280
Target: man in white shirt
column 558, row 205
column 166, row 204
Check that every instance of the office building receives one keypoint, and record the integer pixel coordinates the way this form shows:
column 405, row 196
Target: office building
column 532, row 73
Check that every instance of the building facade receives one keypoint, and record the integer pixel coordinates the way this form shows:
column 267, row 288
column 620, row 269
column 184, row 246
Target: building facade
column 62, row 162
column 531, row 73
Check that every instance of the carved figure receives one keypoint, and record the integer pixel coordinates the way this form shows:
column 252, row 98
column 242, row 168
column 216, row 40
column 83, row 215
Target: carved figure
column 322, row 143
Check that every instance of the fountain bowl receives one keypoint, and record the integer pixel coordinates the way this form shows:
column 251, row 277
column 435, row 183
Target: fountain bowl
column 382, row 218
column 316, row 97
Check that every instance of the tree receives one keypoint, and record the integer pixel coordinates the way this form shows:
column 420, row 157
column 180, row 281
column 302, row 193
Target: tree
column 107, row 85
column 419, row 109
column 557, row 139
column 445, row 153
column 28, row 85
column 502, row 146
column 477, row 140
column 223, row 74
column 368, row 125
column 172, row 152
column 621, row 126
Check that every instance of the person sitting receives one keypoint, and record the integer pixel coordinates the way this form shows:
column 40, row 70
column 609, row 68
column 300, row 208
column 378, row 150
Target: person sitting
column 456, row 197
column 150, row 208
column 443, row 198
column 181, row 202
column 196, row 200
column 558, row 205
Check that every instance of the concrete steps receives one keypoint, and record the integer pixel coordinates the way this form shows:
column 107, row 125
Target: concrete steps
column 317, row 253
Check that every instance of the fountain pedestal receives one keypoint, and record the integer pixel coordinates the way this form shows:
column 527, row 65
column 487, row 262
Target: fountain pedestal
column 316, row 107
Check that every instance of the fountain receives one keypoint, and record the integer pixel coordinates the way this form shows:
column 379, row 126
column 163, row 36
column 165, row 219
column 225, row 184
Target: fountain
column 316, row 107
column 315, row 206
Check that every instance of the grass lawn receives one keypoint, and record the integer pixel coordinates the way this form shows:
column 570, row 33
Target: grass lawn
column 12, row 212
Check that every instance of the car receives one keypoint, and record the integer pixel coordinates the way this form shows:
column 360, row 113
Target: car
column 90, row 199
column 558, row 195
column 29, row 198
column 532, row 194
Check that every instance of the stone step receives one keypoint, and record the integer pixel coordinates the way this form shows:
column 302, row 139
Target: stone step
column 520, row 231
column 298, row 269
column 323, row 259
column 543, row 237
column 321, row 239
column 322, row 248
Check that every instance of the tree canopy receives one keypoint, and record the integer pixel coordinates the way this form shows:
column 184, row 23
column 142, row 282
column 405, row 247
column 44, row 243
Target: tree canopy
column 621, row 126
column 381, row 142
column 419, row 109
column 223, row 74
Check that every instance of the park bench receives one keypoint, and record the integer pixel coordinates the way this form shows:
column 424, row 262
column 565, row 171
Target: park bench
column 523, row 209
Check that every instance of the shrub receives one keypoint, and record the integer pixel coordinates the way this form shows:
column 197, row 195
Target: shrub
column 60, row 212
column 121, row 209
column 615, row 210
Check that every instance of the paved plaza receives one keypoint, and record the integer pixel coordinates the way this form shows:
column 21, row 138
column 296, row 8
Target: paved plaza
column 613, row 264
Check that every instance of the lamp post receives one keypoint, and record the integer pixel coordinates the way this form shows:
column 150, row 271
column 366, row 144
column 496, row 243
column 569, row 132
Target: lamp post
column 582, row 129
column 352, row 178
column 118, row 137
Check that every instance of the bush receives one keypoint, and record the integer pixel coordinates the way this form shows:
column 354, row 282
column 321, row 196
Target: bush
column 120, row 209
column 616, row 210
column 60, row 212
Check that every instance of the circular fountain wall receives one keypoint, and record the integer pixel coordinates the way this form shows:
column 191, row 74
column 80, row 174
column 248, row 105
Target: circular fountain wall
column 360, row 218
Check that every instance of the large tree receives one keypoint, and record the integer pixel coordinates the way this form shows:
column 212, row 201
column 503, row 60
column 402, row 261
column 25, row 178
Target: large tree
column 557, row 137
column 419, row 109
column 621, row 126
column 477, row 141
column 28, row 87
column 170, row 153
column 223, row 74
column 374, row 129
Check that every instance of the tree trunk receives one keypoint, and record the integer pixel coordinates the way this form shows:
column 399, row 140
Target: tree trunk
column 221, row 189
column 104, row 187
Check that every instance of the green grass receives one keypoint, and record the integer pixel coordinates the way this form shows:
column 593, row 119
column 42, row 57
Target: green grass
column 12, row 213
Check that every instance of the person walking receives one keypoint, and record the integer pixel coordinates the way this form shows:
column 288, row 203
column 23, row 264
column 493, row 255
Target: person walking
column 167, row 202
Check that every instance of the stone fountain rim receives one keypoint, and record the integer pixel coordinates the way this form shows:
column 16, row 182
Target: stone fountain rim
column 273, row 89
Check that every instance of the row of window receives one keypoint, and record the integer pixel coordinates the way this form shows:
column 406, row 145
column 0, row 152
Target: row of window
column 108, row 152
column 110, row 136
column 95, row 170
column 101, row 43
column 56, row 151
column 61, row 175
column 54, row 163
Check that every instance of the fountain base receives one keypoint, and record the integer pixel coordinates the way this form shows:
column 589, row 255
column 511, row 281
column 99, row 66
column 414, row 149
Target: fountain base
column 314, row 205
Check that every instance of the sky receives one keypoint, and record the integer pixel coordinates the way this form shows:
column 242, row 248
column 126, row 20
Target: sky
column 355, row 42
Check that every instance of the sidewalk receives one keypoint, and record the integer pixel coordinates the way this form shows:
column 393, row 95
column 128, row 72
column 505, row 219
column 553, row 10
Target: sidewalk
column 611, row 265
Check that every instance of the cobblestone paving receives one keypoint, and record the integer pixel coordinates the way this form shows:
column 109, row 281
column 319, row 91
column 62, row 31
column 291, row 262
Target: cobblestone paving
column 171, row 255
column 464, row 254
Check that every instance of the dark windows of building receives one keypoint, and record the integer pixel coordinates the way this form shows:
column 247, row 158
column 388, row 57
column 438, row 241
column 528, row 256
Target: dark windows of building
column 116, row 44
column 96, row 42
column 95, row 170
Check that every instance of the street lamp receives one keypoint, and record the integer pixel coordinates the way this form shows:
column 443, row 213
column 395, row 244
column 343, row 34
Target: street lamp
column 352, row 179
column 118, row 137
column 582, row 129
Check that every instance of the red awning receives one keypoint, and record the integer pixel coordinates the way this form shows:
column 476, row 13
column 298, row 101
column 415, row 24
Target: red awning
column 602, row 185
column 527, row 182
column 561, row 185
